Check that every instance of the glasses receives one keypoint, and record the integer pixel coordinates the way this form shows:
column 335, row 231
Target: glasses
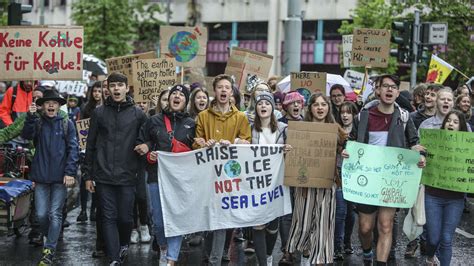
column 386, row 86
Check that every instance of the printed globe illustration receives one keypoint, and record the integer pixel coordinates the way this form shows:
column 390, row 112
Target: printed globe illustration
column 305, row 93
column 184, row 46
column 232, row 169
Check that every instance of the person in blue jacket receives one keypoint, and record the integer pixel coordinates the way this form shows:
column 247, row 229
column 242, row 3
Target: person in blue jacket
column 54, row 165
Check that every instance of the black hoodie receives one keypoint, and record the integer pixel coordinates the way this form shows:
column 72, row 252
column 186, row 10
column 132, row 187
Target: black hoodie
column 110, row 158
column 155, row 135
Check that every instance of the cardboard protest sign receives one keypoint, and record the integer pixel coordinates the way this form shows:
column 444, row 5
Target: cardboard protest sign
column 450, row 161
column 39, row 52
column 312, row 161
column 229, row 187
column 307, row 83
column 123, row 64
column 370, row 47
column 77, row 88
column 347, row 50
column 150, row 76
column 185, row 44
column 244, row 63
column 82, row 127
column 354, row 78
column 380, row 175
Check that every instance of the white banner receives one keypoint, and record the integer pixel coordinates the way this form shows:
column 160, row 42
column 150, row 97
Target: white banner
column 222, row 187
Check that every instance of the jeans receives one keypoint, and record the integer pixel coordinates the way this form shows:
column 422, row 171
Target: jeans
column 116, row 209
column 442, row 218
column 218, row 243
column 341, row 211
column 173, row 243
column 49, row 202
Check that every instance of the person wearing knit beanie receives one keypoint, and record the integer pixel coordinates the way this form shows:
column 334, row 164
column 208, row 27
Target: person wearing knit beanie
column 181, row 89
column 265, row 96
column 293, row 105
column 279, row 98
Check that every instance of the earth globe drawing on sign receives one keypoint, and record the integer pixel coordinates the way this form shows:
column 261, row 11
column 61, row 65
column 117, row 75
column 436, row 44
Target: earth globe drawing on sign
column 184, row 46
column 232, row 169
column 305, row 93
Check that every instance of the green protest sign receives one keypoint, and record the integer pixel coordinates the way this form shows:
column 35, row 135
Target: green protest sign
column 380, row 176
column 450, row 159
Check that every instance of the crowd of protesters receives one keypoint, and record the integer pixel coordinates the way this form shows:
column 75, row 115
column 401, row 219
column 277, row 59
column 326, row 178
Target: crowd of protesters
column 119, row 164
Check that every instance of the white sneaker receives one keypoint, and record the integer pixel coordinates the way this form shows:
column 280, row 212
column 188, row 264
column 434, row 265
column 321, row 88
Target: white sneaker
column 305, row 261
column 144, row 234
column 163, row 259
column 135, row 237
column 432, row 261
column 270, row 260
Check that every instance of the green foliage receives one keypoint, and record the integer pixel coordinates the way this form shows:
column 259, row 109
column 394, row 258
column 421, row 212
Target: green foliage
column 112, row 26
column 3, row 12
column 458, row 14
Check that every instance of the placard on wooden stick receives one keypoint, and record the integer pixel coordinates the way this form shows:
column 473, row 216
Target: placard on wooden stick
column 123, row 64
column 245, row 62
column 312, row 161
column 371, row 47
column 150, row 76
column 185, row 44
column 82, row 127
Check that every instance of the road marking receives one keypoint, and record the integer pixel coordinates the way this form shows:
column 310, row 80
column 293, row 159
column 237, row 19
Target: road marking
column 464, row 233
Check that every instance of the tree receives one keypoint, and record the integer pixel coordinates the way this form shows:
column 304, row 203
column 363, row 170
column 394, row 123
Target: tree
column 111, row 26
column 458, row 14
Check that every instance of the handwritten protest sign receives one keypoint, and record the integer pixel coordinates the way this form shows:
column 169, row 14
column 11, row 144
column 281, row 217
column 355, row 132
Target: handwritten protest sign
column 347, row 50
column 82, row 127
column 450, row 159
column 78, row 88
column 185, row 44
column 354, row 78
column 244, row 63
column 380, row 175
column 307, row 83
column 123, row 64
column 370, row 47
column 52, row 53
column 229, row 187
column 312, row 161
column 150, row 76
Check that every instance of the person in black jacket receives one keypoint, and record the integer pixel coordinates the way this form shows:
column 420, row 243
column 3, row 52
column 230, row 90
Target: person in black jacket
column 156, row 135
column 54, row 165
column 112, row 161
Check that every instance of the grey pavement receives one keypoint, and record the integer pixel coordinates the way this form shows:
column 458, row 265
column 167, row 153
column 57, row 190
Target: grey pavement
column 79, row 243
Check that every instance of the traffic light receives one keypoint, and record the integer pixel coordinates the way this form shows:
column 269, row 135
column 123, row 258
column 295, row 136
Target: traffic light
column 15, row 14
column 402, row 36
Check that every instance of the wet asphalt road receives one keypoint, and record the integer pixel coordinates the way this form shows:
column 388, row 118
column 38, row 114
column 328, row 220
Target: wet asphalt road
column 79, row 243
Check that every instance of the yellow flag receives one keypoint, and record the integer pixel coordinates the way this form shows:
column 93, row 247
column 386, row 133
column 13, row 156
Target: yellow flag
column 439, row 70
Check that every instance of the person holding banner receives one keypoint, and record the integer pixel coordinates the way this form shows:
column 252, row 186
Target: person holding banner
column 111, row 164
column 156, row 134
column 463, row 104
column 382, row 122
column 443, row 208
column 266, row 130
column 310, row 233
column 222, row 123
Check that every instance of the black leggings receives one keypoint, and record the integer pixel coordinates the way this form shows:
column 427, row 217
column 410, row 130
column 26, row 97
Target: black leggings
column 264, row 241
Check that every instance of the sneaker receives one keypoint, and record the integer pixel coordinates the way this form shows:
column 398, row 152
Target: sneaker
column 114, row 263
column 305, row 261
column 47, row 259
column 82, row 217
column 286, row 259
column 37, row 240
column 270, row 260
column 144, row 234
column 348, row 250
column 368, row 258
column 432, row 261
column 338, row 256
column 163, row 258
column 98, row 254
column 410, row 252
column 225, row 255
column 135, row 237
column 123, row 253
